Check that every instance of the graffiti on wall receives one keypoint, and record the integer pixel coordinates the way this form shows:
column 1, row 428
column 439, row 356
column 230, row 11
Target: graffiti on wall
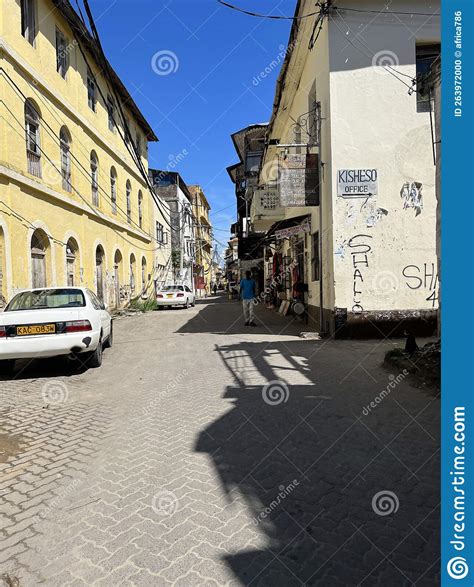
column 424, row 277
column 412, row 196
column 360, row 249
column 372, row 214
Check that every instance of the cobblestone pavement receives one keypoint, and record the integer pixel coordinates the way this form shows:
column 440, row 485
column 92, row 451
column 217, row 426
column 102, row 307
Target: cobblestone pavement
column 204, row 452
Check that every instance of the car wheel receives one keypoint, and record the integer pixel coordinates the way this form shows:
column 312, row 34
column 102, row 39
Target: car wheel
column 186, row 305
column 110, row 339
column 7, row 367
column 95, row 357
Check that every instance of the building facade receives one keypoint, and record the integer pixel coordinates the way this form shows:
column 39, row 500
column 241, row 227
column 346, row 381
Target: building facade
column 203, row 240
column 346, row 189
column 171, row 188
column 74, row 208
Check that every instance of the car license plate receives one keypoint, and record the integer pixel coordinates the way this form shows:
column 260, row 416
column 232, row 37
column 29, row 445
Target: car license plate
column 169, row 295
column 35, row 329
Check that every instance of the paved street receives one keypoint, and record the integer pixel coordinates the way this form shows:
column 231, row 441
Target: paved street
column 176, row 464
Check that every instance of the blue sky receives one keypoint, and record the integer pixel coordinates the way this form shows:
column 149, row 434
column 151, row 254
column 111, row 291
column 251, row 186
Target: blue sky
column 213, row 55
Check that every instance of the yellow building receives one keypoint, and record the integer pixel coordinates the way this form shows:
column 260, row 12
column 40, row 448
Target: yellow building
column 203, row 240
column 74, row 208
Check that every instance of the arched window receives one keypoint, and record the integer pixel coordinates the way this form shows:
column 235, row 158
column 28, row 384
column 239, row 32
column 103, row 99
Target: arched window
column 140, row 209
column 72, row 255
column 32, row 129
column 99, row 271
column 143, row 275
column 133, row 264
column 39, row 252
column 95, row 178
column 65, row 152
column 113, row 189
column 118, row 270
column 3, row 281
column 128, row 192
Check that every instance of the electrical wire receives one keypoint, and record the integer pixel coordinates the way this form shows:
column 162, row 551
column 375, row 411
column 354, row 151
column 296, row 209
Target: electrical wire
column 131, row 147
column 85, row 172
column 366, row 54
column 396, row 12
column 269, row 16
column 127, row 139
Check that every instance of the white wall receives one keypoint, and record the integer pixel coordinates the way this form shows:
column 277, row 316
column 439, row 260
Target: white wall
column 384, row 252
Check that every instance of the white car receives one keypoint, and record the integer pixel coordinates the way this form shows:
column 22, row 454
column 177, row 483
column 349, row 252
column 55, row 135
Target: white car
column 175, row 295
column 49, row 322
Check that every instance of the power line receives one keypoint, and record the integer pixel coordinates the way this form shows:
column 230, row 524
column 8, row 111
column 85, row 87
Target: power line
column 366, row 54
column 269, row 16
column 129, row 144
column 387, row 12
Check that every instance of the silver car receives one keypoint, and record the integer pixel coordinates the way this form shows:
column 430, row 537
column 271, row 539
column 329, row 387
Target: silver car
column 175, row 295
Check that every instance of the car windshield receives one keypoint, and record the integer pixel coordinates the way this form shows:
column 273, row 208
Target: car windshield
column 47, row 298
column 173, row 288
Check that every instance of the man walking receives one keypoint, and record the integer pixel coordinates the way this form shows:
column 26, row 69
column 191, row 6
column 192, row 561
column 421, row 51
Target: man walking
column 247, row 293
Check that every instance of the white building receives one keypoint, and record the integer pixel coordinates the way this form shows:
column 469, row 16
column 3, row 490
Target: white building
column 347, row 96
column 179, row 236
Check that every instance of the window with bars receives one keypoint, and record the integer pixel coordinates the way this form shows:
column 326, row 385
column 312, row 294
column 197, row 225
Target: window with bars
column 28, row 20
column 128, row 194
column 111, row 113
column 160, row 236
column 65, row 153
column 95, row 179
column 113, row 190
column 425, row 56
column 140, row 209
column 91, row 91
column 62, row 57
column 32, row 129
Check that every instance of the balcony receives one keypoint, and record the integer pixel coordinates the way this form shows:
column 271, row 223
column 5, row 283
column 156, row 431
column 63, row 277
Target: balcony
column 265, row 208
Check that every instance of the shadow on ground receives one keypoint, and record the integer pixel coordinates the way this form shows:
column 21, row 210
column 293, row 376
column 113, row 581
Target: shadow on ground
column 219, row 315
column 309, row 465
column 42, row 368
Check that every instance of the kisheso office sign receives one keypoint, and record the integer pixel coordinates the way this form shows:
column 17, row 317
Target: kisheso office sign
column 357, row 183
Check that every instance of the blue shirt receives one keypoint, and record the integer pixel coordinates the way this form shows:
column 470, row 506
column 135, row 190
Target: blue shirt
column 247, row 288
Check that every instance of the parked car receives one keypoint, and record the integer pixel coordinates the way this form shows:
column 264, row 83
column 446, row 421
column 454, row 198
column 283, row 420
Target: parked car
column 175, row 295
column 48, row 322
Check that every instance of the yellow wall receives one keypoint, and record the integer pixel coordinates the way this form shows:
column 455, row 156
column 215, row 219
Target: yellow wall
column 27, row 202
column 203, row 231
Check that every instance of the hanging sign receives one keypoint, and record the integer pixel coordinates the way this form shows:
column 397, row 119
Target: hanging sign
column 357, row 183
column 305, row 226
column 298, row 180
